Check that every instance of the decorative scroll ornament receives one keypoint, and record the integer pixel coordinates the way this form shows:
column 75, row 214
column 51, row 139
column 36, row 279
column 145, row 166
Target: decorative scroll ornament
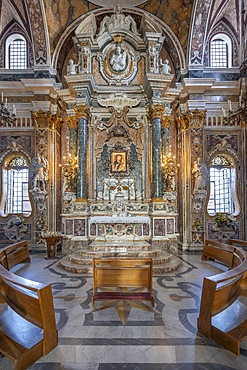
column 118, row 101
column 118, row 63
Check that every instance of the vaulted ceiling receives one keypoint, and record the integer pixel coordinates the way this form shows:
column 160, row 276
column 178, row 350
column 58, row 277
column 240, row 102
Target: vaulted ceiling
column 191, row 21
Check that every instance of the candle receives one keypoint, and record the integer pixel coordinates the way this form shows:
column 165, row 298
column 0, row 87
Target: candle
column 14, row 109
column 224, row 112
column 229, row 105
column 6, row 103
column 2, row 97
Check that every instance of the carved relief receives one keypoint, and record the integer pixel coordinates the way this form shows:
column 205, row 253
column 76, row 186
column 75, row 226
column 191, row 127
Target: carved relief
column 118, row 63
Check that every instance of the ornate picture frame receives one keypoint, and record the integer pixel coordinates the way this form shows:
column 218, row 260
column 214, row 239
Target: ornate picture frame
column 119, row 161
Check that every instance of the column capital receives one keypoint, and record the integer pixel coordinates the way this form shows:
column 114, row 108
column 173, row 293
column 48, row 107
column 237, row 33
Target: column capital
column 156, row 111
column 72, row 121
column 166, row 121
column 82, row 111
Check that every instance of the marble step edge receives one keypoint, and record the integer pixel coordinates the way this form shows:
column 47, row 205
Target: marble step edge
column 86, row 258
column 118, row 252
column 67, row 265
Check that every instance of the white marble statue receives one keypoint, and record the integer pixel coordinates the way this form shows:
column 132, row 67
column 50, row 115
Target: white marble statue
column 72, row 67
column 165, row 67
column 118, row 60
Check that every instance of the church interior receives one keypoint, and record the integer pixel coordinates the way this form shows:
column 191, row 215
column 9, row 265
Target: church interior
column 122, row 136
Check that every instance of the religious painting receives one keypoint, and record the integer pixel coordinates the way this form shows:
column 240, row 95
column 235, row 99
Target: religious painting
column 119, row 161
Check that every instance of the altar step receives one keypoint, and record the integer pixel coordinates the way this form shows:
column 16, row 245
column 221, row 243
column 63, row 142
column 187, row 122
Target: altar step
column 81, row 261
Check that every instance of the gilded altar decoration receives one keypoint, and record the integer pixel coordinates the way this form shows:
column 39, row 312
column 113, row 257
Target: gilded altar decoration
column 70, row 173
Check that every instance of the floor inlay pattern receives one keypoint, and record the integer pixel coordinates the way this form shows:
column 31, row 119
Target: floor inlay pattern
column 127, row 334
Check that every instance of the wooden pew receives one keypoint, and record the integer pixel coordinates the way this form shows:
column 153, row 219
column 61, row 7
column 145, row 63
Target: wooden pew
column 223, row 317
column 27, row 318
column 127, row 273
column 238, row 243
column 13, row 254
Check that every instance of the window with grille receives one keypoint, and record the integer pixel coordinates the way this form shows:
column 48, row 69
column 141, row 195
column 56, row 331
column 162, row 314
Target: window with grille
column 222, row 198
column 16, row 52
column 15, row 198
column 220, row 51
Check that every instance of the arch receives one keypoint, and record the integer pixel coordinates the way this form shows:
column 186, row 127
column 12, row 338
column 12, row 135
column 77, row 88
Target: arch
column 220, row 43
column 223, row 193
column 148, row 22
column 16, row 54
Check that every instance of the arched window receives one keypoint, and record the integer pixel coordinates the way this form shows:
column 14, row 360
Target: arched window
column 221, row 51
column 15, row 194
column 16, row 52
column 223, row 195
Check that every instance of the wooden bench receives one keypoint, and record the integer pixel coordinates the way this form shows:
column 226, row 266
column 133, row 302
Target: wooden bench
column 27, row 318
column 13, row 254
column 128, row 274
column 238, row 243
column 223, row 317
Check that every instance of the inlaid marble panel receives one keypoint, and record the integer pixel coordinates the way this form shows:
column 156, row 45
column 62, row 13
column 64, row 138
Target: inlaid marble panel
column 159, row 227
column 170, row 226
column 79, row 227
column 69, row 227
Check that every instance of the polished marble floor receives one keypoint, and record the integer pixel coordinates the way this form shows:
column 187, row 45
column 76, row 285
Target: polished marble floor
column 130, row 335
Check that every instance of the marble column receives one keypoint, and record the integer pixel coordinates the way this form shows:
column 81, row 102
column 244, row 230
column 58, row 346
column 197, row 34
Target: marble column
column 166, row 122
column 156, row 117
column 82, row 111
column 73, row 135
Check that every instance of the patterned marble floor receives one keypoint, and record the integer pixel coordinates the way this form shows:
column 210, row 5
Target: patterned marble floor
column 130, row 335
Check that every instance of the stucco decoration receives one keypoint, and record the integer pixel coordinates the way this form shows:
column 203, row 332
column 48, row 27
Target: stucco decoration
column 118, row 101
column 118, row 64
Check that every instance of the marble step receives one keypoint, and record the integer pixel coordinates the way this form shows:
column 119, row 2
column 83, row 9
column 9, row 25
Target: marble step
column 83, row 255
column 171, row 264
column 121, row 245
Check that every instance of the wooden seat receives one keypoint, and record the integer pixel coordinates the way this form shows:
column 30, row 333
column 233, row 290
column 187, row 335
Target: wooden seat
column 123, row 274
column 223, row 317
column 27, row 318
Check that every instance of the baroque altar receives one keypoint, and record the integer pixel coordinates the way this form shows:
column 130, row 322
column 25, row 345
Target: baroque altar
column 119, row 175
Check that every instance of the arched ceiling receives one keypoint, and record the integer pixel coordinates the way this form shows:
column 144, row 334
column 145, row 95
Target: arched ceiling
column 190, row 20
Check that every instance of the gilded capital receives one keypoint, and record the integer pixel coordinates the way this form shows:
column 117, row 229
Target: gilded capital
column 183, row 121
column 156, row 111
column 72, row 121
column 166, row 121
column 82, row 111
column 41, row 118
column 55, row 122
column 198, row 118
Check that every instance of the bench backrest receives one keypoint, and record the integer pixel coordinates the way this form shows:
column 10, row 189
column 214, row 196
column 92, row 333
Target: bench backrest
column 33, row 301
column 221, row 290
column 218, row 251
column 128, row 272
column 14, row 254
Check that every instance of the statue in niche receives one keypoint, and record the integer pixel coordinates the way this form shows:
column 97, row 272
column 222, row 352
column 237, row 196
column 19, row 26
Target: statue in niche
column 118, row 60
column 165, row 67
column 72, row 67
column 153, row 59
column 84, row 58
column 200, row 173
column 39, row 173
